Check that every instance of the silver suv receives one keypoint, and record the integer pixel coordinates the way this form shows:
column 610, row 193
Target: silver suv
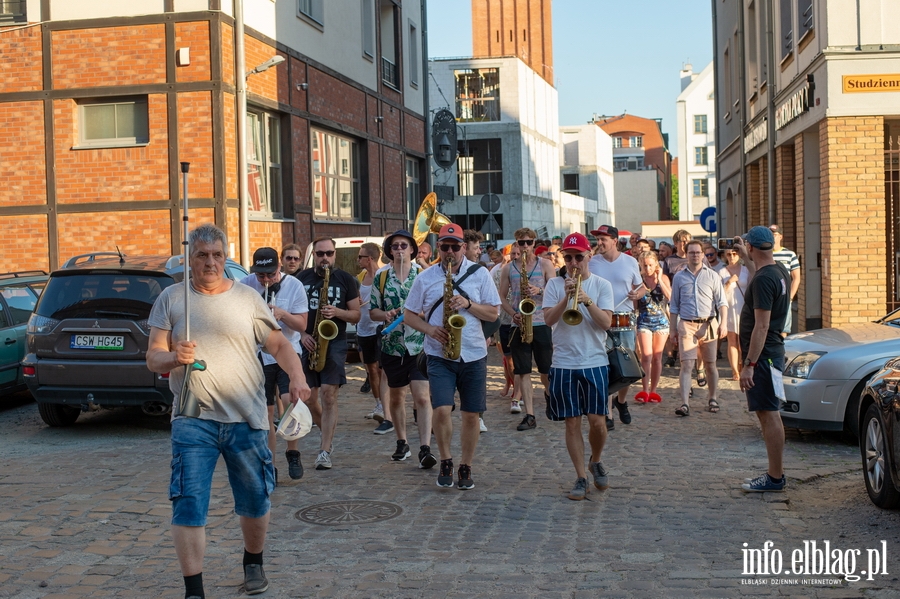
column 87, row 338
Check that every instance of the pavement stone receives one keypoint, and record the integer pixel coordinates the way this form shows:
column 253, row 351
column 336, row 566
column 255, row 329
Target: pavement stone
column 84, row 511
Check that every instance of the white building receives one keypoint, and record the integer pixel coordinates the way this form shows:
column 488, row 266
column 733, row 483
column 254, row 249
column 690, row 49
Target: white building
column 696, row 142
column 508, row 144
column 586, row 168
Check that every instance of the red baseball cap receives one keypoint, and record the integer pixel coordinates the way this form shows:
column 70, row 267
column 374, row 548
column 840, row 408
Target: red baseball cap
column 576, row 241
column 451, row 231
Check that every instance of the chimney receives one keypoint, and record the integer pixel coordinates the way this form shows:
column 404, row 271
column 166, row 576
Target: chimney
column 687, row 75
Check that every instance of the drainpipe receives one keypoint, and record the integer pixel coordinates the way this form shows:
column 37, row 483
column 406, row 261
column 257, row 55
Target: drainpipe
column 717, row 95
column 770, row 112
column 744, row 108
column 426, row 75
column 240, row 70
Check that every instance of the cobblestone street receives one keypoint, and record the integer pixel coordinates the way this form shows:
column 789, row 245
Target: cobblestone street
column 84, row 511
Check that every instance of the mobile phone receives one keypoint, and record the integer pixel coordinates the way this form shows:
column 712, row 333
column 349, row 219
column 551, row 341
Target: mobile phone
column 726, row 243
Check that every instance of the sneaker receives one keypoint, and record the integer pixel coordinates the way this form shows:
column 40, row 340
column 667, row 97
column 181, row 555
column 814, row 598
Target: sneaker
column 426, row 458
column 276, row 477
column 255, row 581
column 295, row 468
column 445, row 478
column 601, row 480
column 465, row 478
column 323, row 462
column 402, row 451
column 527, row 423
column 481, row 425
column 610, row 423
column 624, row 414
column 515, row 407
column 386, row 426
column 579, row 491
column 670, row 362
column 377, row 414
column 415, row 416
column 764, row 483
column 366, row 387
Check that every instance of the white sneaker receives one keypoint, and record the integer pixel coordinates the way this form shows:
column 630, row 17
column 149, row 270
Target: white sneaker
column 481, row 425
column 377, row 414
column 323, row 461
column 515, row 407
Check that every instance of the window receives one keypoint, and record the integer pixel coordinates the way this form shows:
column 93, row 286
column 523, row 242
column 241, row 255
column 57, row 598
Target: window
column 114, row 122
column 700, row 123
column 635, row 141
column 311, row 9
column 367, row 9
column 628, row 163
column 264, row 173
column 617, row 142
column 726, row 66
column 700, row 156
column 413, row 55
column 752, row 41
column 335, row 166
column 389, row 45
column 479, row 168
column 804, row 17
column 701, row 188
column 13, row 11
column 477, row 95
column 413, row 189
column 787, row 30
column 570, row 183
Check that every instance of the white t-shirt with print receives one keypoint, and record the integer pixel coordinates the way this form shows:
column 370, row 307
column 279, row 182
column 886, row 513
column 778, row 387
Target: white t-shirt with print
column 291, row 297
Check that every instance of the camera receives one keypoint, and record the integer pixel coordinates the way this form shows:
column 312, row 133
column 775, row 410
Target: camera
column 726, row 244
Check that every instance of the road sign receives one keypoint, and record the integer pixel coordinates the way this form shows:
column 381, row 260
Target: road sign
column 708, row 219
column 491, row 227
column 490, row 202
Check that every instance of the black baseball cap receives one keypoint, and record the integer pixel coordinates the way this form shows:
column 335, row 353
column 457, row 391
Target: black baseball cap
column 265, row 261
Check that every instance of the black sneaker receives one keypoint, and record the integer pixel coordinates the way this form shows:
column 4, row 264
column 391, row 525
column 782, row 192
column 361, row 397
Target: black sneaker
column 295, row 468
column 610, row 424
column 366, row 387
column 402, row 451
column 624, row 414
column 465, row 477
column 527, row 423
column 276, row 477
column 445, row 478
column 255, row 581
column 670, row 362
column 386, row 426
column 426, row 458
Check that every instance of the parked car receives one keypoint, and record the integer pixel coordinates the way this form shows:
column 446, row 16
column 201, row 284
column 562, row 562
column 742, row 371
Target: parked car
column 827, row 370
column 87, row 338
column 19, row 292
column 879, row 436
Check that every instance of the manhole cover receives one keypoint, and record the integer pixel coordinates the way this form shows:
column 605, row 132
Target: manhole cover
column 334, row 513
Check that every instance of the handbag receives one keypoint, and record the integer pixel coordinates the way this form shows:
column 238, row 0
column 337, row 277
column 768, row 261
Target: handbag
column 624, row 366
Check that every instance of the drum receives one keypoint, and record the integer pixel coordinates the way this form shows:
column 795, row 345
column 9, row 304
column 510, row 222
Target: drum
column 621, row 321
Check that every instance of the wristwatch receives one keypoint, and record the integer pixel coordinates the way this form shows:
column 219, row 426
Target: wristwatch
column 747, row 362
column 589, row 303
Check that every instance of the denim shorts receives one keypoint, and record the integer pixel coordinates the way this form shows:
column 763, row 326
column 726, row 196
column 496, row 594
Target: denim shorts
column 196, row 447
column 469, row 378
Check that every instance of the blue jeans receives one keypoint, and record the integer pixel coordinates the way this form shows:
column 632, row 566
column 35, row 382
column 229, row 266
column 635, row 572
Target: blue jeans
column 196, row 447
column 469, row 378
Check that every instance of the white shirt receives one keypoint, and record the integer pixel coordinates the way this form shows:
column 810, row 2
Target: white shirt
column 622, row 273
column 428, row 290
column 582, row 345
column 291, row 297
column 366, row 327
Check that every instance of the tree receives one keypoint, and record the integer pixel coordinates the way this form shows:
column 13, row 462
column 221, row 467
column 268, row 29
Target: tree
column 675, row 197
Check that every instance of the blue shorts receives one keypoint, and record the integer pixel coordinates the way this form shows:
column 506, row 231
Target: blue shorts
column 196, row 447
column 469, row 378
column 574, row 393
column 761, row 396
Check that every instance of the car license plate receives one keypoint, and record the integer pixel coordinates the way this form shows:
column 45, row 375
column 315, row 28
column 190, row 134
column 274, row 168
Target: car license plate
column 108, row 342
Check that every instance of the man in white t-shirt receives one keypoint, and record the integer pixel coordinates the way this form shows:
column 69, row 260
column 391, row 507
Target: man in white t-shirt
column 622, row 272
column 578, row 374
column 286, row 298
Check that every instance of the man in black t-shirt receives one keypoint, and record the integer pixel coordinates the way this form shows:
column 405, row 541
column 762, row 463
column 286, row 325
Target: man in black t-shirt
column 766, row 305
column 342, row 307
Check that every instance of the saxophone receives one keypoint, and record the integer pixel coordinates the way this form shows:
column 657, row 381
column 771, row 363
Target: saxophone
column 527, row 306
column 453, row 323
column 325, row 329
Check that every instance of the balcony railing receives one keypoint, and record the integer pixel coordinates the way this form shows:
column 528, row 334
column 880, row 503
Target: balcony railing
column 389, row 73
column 12, row 11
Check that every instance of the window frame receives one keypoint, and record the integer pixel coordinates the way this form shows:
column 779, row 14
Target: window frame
column 466, row 183
column 701, row 126
column 569, row 189
column 353, row 179
column 699, row 187
column 490, row 112
column 270, row 168
column 413, row 55
column 84, row 142
column 636, row 141
column 367, row 16
column 312, row 11
column 701, row 156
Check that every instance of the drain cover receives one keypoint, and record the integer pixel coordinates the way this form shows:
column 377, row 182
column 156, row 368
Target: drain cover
column 334, row 513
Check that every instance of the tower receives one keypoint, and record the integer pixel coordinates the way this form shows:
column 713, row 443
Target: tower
column 522, row 28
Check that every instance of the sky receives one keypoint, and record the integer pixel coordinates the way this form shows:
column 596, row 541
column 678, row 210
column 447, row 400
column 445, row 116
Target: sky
column 609, row 56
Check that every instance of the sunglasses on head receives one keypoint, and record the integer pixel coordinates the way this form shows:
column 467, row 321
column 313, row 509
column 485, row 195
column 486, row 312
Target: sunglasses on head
column 450, row 247
column 322, row 254
column 266, row 275
column 524, row 242
column 399, row 246
column 576, row 257
column 292, row 258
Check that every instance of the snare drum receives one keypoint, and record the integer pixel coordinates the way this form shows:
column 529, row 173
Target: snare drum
column 621, row 321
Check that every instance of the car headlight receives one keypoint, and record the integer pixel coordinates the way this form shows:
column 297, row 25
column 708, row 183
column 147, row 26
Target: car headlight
column 801, row 366
column 40, row 324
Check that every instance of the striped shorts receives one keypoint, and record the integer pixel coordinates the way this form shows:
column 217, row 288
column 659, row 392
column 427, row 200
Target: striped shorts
column 577, row 392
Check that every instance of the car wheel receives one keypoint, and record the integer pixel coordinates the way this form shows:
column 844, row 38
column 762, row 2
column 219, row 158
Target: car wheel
column 58, row 415
column 851, row 414
column 877, row 462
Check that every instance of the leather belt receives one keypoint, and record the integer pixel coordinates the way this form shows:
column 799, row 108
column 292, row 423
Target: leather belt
column 699, row 320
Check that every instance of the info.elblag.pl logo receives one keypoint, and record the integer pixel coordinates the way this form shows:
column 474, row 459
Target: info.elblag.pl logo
column 814, row 559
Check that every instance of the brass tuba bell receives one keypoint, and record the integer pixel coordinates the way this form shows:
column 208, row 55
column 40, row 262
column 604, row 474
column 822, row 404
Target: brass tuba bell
column 428, row 219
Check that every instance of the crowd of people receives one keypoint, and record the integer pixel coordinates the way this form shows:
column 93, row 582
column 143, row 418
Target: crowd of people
column 426, row 320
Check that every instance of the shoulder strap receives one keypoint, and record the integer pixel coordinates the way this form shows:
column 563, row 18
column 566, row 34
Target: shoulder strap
column 456, row 284
column 381, row 281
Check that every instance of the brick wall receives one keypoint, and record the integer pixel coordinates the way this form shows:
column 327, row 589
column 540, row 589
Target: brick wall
column 227, row 33
column 331, row 98
column 230, row 110
column 752, row 194
column 785, row 200
column 853, row 217
column 195, row 143
column 20, row 50
column 142, row 232
column 800, row 221
column 414, row 133
column 28, row 248
column 22, row 166
column 132, row 55
column 196, row 37
column 265, row 83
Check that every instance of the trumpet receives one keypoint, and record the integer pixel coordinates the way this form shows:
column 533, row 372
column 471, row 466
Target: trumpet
column 573, row 316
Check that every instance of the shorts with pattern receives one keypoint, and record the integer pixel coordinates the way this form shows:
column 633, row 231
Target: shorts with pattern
column 574, row 393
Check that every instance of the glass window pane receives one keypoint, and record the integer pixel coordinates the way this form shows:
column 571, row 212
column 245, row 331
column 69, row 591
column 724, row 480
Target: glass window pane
column 274, row 140
column 124, row 120
column 275, row 199
column 346, row 199
column 100, row 122
column 254, row 146
column 319, row 207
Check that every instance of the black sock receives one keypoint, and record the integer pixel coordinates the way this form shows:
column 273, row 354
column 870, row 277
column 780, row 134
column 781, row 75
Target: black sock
column 193, row 586
column 252, row 558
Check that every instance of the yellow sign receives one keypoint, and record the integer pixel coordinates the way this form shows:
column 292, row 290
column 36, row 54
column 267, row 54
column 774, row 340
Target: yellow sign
column 871, row 83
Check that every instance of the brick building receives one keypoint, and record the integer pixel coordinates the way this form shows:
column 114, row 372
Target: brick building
column 808, row 136
column 515, row 28
column 100, row 101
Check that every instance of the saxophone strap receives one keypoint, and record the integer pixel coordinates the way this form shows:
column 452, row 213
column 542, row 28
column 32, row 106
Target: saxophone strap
column 456, row 285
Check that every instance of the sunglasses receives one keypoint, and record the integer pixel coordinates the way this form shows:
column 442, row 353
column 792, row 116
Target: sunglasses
column 264, row 275
column 291, row 258
column 551, row 254
column 328, row 253
column 524, row 242
column 450, row 247
column 361, row 256
column 710, row 255
column 399, row 246
column 575, row 257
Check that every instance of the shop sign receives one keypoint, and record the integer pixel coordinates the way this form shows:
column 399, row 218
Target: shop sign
column 757, row 135
column 871, row 83
column 796, row 105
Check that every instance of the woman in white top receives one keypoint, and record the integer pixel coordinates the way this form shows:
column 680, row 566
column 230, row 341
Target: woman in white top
column 735, row 277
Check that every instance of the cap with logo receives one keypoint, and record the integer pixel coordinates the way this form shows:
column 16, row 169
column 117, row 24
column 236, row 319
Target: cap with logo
column 451, row 231
column 265, row 260
column 576, row 241
column 760, row 238
column 608, row 230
